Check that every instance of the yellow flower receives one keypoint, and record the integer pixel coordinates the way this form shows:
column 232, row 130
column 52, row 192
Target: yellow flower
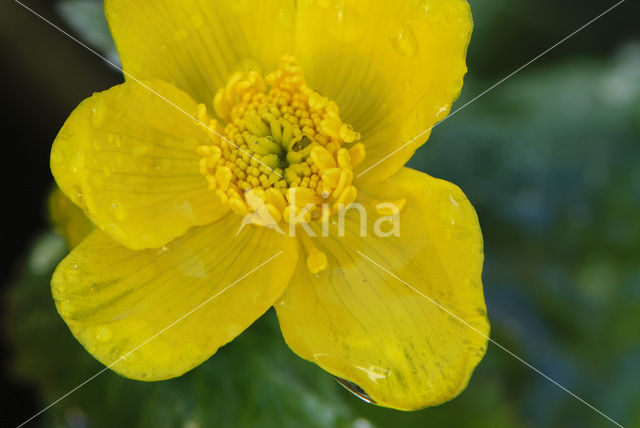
column 261, row 116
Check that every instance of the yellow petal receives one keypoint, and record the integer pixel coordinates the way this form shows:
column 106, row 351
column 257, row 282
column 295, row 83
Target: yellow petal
column 175, row 306
column 68, row 218
column 396, row 68
column 198, row 44
column 129, row 158
column 362, row 324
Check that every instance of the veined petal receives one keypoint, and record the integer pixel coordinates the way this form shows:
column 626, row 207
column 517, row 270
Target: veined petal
column 172, row 307
column 360, row 321
column 197, row 44
column 395, row 68
column 129, row 158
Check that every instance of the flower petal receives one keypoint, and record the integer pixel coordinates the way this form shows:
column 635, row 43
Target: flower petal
column 197, row 44
column 129, row 158
column 363, row 325
column 396, row 68
column 172, row 307
column 68, row 218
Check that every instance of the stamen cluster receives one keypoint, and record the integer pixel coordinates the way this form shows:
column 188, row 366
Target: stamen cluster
column 280, row 150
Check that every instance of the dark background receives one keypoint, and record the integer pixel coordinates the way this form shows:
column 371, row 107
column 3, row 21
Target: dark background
column 45, row 75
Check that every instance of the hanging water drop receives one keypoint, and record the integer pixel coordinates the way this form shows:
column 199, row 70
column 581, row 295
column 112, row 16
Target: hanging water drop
column 405, row 41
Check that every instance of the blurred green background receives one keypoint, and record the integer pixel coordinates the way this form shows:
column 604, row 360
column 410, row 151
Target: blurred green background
column 550, row 159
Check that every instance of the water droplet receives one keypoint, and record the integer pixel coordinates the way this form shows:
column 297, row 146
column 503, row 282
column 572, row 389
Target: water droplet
column 119, row 212
column 349, row 26
column 72, row 273
column 66, row 309
column 355, row 390
column 251, row 64
column 98, row 113
column 404, row 41
column 80, row 201
column 442, row 112
column 103, row 334
column 454, row 214
column 421, row 8
column 374, row 373
column 57, row 155
column 131, row 356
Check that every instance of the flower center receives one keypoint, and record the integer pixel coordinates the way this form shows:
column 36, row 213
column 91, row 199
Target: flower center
column 283, row 153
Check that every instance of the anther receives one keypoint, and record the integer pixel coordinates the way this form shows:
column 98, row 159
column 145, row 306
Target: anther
column 316, row 259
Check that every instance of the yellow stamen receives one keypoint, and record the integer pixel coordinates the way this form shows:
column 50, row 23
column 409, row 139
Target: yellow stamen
column 316, row 259
column 279, row 148
column 357, row 153
column 347, row 196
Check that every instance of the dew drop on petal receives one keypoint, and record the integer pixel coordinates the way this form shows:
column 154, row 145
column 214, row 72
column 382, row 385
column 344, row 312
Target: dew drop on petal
column 421, row 8
column 71, row 274
column 66, row 309
column 348, row 25
column 355, row 390
column 404, row 41
column 103, row 334
column 58, row 288
column 57, row 156
column 80, row 201
column 98, row 113
column 454, row 215
column 252, row 64
column 118, row 212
